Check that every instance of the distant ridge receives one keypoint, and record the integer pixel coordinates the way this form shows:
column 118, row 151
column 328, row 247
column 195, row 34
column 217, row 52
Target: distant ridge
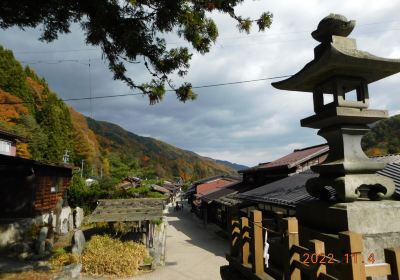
column 234, row 166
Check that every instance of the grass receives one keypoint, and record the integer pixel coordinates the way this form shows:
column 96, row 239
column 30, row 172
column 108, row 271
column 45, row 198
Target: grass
column 105, row 255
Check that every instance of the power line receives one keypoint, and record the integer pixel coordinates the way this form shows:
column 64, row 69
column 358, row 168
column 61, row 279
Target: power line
column 218, row 44
column 57, row 61
column 137, row 93
column 220, row 39
column 55, row 51
column 242, row 82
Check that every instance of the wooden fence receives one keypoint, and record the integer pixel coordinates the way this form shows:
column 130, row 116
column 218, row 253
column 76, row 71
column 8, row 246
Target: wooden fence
column 247, row 244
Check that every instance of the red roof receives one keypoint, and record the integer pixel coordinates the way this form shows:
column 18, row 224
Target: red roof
column 214, row 185
column 296, row 157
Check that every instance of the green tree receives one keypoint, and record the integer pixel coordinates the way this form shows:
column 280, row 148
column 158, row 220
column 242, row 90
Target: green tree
column 55, row 120
column 133, row 31
column 13, row 78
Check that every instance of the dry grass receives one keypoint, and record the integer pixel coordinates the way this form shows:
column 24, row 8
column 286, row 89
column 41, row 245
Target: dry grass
column 62, row 259
column 28, row 275
column 105, row 255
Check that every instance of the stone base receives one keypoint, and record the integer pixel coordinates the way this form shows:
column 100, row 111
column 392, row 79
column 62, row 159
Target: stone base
column 377, row 221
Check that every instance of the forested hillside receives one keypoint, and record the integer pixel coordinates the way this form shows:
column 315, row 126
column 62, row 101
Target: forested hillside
column 384, row 137
column 30, row 109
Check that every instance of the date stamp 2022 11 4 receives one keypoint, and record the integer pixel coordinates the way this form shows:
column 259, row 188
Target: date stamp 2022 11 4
column 314, row 258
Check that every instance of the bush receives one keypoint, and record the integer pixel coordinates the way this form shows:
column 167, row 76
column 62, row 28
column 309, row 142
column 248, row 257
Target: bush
column 105, row 255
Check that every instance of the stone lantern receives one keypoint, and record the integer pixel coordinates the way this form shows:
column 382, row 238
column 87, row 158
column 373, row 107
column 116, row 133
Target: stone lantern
column 361, row 197
column 339, row 69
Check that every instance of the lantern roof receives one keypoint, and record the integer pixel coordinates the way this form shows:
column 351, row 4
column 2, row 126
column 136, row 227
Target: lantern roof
column 338, row 56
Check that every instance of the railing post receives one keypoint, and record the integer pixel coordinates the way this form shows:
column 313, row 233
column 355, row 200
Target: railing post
column 392, row 257
column 292, row 228
column 353, row 260
column 234, row 237
column 257, row 263
column 244, row 245
column 319, row 249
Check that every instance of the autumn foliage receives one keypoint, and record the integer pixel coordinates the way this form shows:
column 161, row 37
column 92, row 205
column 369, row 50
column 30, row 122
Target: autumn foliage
column 12, row 111
column 51, row 127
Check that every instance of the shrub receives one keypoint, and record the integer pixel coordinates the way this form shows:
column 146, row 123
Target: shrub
column 105, row 255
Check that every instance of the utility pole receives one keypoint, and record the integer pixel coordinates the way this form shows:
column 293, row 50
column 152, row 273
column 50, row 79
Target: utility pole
column 82, row 168
column 66, row 157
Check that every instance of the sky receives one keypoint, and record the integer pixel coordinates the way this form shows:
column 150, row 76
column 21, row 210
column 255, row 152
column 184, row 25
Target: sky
column 246, row 123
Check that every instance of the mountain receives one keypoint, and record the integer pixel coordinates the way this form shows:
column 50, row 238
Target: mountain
column 234, row 166
column 30, row 108
column 384, row 137
column 167, row 160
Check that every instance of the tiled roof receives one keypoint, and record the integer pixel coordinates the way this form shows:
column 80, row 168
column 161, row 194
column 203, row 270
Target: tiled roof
column 4, row 133
column 8, row 161
column 192, row 189
column 218, row 193
column 208, row 179
column 296, row 157
column 288, row 191
column 160, row 189
column 214, row 185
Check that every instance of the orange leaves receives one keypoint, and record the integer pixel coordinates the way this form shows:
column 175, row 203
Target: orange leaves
column 375, row 152
column 86, row 144
column 11, row 113
column 22, row 150
column 144, row 160
column 37, row 89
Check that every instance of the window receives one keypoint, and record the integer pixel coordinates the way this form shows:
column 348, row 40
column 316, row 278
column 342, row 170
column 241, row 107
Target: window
column 5, row 147
column 56, row 184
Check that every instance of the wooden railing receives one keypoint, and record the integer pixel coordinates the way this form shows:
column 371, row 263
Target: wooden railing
column 247, row 244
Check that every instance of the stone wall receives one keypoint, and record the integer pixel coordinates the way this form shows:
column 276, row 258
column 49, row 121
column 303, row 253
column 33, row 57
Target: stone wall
column 18, row 230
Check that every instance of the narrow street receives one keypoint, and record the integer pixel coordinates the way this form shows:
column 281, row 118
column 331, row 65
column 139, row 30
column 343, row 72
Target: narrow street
column 192, row 252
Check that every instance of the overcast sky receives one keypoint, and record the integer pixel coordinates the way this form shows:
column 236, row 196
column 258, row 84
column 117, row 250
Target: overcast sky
column 244, row 123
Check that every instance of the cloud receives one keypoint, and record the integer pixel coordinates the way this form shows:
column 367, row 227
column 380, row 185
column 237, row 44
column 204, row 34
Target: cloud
column 245, row 123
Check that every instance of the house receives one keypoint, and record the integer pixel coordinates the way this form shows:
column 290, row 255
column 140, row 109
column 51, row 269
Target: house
column 30, row 188
column 285, row 194
column 8, row 143
column 222, row 203
column 206, row 188
column 32, row 193
column 279, row 199
column 297, row 161
column 128, row 182
column 160, row 189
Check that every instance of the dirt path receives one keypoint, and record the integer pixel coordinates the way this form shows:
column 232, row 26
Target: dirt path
column 192, row 252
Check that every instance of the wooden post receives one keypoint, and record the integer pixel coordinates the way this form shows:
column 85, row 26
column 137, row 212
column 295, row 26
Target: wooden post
column 319, row 249
column 292, row 229
column 353, row 260
column 257, row 263
column 234, row 237
column 392, row 257
column 244, row 240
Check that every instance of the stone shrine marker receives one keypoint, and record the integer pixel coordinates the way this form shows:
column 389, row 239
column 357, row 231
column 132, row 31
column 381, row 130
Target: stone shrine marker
column 339, row 68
